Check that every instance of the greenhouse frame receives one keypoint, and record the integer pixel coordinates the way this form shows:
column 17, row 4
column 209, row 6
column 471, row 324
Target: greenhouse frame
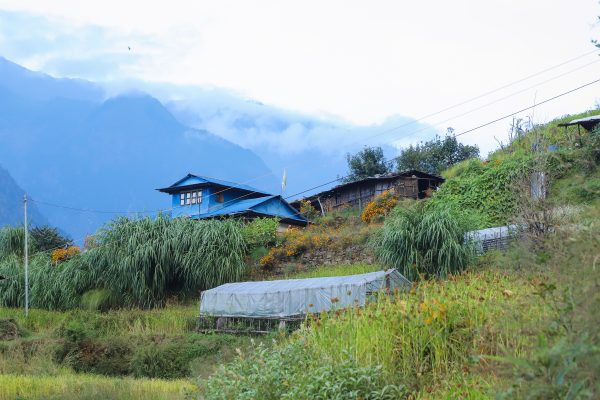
column 293, row 299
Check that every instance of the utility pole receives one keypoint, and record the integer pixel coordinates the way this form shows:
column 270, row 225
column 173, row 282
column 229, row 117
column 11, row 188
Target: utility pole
column 26, row 258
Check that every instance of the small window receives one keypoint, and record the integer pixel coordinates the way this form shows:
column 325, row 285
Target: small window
column 193, row 197
column 220, row 198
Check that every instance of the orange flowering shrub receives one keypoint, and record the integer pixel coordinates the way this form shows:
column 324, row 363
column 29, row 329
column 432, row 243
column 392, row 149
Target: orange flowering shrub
column 332, row 234
column 60, row 255
column 380, row 206
column 307, row 209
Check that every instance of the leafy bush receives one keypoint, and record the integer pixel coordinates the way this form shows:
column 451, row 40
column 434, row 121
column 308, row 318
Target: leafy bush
column 292, row 372
column 485, row 188
column 168, row 361
column 10, row 329
column 435, row 155
column 379, row 207
column 48, row 238
column 60, row 255
column 308, row 210
column 427, row 241
column 260, row 232
column 369, row 161
column 85, row 353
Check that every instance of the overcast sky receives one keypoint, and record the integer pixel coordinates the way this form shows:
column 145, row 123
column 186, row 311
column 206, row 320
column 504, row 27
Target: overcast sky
column 360, row 61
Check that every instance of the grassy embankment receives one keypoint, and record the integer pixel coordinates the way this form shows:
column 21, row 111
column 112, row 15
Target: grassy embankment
column 118, row 354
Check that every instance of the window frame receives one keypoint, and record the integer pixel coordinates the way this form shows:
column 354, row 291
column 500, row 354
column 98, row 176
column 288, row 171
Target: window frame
column 190, row 197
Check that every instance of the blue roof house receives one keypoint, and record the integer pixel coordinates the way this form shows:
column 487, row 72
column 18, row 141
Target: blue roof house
column 199, row 197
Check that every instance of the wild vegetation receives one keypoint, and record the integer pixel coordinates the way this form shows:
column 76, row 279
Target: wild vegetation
column 425, row 241
column 518, row 324
column 514, row 325
column 436, row 155
column 369, row 161
column 132, row 263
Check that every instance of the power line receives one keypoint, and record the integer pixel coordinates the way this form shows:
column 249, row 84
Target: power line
column 497, row 100
column 96, row 211
column 369, row 137
column 530, row 107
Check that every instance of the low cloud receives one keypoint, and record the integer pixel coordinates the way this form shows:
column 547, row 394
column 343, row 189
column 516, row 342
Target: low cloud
column 66, row 50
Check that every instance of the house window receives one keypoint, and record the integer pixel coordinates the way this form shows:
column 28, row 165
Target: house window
column 192, row 197
column 220, row 198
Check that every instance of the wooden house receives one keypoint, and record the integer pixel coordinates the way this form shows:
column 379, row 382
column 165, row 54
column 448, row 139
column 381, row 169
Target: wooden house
column 410, row 184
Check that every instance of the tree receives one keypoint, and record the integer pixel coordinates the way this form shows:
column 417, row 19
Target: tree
column 435, row 155
column 47, row 238
column 367, row 162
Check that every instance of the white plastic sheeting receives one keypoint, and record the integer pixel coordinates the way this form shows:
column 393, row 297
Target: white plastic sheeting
column 293, row 297
column 496, row 238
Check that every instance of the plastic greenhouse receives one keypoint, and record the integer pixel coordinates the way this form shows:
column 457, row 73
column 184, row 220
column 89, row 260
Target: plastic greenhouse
column 292, row 299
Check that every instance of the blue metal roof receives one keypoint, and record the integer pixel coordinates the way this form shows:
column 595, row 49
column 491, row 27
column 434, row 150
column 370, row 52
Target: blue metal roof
column 254, row 205
column 215, row 181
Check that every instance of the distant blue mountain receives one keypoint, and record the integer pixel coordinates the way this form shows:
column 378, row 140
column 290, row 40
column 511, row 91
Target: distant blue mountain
column 11, row 204
column 67, row 145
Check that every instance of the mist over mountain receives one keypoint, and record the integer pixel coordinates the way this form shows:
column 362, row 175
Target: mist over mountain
column 106, row 147
column 313, row 149
column 68, row 145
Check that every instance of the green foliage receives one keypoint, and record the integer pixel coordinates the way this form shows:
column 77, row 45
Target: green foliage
column 48, row 238
column 308, row 210
column 161, row 361
column 85, row 353
column 260, row 232
column 427, row 241
column 137, row 263
column 436, row 155
column 10, row 329
column 548, row 373
column 12, row 242
column 293, row 372
column 173, row 359
column 336, row 270
column 367, row 162
column 488, row 189
column 70, row 386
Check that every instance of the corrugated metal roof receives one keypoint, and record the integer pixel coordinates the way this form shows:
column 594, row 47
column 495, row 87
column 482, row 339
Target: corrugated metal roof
column 215, row 181
column 244, row 206
column 236, row 207
column 382, row 177
column 582, row 121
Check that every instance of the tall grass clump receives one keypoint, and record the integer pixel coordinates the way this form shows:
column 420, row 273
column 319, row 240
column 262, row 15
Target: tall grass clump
column 12, row 241
column 134, row 263
column 142, row 261
column 423, row 240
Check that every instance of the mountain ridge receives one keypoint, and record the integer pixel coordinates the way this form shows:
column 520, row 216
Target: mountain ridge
column 87, row 152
